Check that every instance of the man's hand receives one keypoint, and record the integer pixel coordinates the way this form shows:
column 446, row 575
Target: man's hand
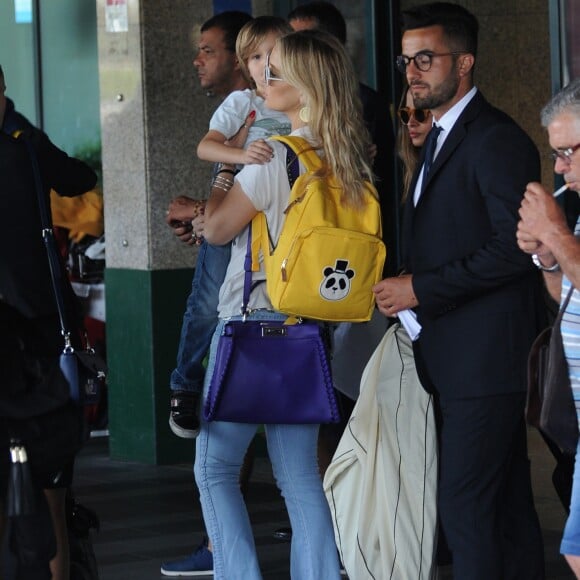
column 540, row 216
column 540, row 213
column 529, row 243
column 183, row 209
column 395, row 294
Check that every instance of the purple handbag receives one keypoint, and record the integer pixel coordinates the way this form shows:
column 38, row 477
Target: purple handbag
column 271, row 372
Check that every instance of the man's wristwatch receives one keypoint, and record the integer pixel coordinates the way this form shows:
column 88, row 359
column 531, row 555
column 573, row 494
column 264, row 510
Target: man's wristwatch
column 538, row 264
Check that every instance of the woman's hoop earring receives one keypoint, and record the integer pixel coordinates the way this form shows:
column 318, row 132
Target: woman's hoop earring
column 304, row 114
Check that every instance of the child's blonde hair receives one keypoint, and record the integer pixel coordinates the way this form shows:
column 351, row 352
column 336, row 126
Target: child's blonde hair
column 252, row 34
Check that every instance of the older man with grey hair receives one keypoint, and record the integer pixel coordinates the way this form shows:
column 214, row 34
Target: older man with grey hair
column 544, row 233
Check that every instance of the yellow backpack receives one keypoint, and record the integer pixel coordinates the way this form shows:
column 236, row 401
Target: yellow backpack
column 328, row 256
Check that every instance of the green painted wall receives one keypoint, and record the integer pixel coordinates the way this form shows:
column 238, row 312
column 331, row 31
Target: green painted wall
column 144, row 313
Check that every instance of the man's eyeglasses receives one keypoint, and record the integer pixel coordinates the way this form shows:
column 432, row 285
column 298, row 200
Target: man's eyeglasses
column 268, row 76
column 564, row 155
column 420, row 115
column 422, row 60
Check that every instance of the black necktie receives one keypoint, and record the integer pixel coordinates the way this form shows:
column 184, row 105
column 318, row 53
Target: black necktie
column 430, row 146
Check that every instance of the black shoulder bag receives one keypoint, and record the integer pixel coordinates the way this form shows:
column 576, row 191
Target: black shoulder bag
column 84, row 369
column 550, row 404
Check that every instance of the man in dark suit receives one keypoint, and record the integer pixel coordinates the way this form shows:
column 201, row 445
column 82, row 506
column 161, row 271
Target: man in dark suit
column 476, row 295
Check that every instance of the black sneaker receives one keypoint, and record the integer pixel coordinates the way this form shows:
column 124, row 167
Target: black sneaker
column 184, row 415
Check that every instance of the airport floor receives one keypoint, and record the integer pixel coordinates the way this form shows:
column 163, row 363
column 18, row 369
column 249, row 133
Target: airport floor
column 149, row 514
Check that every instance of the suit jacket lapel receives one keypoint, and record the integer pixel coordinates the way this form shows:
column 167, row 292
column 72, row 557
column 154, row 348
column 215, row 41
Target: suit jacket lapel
column 458, row 133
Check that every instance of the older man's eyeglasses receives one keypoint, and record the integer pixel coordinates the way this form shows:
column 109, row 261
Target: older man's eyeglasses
column 268, row 76
column 564, row 155
column 420, row 115
column 422, row 60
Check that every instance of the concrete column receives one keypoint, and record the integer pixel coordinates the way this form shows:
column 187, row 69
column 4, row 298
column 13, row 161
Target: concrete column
column 153, row 113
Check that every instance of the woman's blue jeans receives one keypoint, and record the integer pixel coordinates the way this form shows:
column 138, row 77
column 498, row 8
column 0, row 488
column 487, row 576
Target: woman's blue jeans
column 200, row 317
column 220, row 450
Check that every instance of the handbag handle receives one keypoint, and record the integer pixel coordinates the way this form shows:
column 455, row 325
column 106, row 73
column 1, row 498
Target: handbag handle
column 50, row 245
column 293, row 171
column 247, row 274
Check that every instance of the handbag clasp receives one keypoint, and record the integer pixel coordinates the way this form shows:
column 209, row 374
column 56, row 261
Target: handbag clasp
column 273, row 331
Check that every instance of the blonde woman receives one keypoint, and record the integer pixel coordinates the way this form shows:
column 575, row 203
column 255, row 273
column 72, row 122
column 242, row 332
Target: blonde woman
column 308, row 77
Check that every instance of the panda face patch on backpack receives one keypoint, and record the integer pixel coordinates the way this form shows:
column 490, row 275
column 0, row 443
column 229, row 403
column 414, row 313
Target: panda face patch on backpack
column 336, row 282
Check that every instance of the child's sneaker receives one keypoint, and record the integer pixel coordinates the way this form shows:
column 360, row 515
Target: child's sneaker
column 184, row 414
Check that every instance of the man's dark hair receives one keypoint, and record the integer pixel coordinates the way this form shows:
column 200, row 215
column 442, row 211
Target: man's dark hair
column 459, row 25
column 327, row 16
column 230, row 23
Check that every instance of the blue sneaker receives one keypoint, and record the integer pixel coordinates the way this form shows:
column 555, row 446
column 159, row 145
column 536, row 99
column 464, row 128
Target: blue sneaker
column 200, row 563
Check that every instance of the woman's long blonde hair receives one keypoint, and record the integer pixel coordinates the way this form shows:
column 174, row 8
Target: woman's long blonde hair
column 317, row 65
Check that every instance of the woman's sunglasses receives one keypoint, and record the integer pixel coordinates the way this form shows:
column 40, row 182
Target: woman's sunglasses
column 420, row 115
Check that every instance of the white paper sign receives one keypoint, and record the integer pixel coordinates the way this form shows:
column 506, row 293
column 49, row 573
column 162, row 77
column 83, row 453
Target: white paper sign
column 116, row 18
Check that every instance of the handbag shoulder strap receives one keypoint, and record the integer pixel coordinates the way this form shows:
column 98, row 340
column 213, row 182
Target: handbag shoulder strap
column 49, row 241
column 558, row 320
column 247, row 273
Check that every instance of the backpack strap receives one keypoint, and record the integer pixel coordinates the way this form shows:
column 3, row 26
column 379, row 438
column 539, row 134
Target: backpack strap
column 292, row 165
column 305, row 154
column 308, row 156
column 259, row 234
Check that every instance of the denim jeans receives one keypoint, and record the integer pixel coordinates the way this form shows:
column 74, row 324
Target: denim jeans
column 220, row 450
column 571, row 540
column 200, row 317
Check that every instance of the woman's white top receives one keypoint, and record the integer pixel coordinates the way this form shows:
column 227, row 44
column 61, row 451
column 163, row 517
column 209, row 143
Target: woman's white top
column 268, row 189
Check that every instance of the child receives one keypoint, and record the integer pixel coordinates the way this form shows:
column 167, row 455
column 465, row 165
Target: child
column 243, row 109
column 253, row 44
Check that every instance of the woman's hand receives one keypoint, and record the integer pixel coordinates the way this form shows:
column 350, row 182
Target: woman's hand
column 198, row 224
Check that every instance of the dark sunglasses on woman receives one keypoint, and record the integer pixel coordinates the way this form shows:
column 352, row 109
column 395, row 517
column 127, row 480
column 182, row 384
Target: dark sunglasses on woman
column 420, row 115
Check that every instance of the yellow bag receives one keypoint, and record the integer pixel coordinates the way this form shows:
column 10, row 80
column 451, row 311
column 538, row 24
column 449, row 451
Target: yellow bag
column 328, row 256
